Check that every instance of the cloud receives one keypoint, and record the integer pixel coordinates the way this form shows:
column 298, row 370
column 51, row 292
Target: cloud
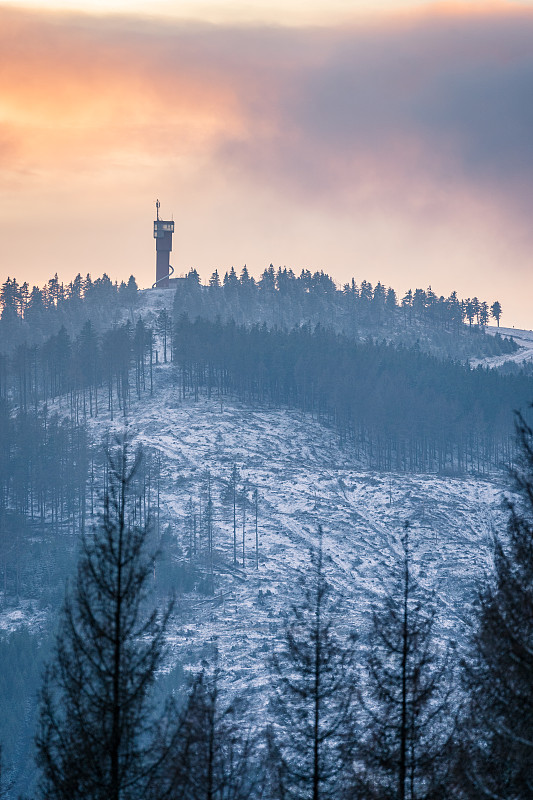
column 436, row 104
column 432, row 99
column 73, row 88
column 421, row 124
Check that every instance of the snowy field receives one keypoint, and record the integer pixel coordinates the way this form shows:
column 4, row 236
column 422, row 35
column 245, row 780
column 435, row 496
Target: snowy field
column 303, row 479
column 524, row 340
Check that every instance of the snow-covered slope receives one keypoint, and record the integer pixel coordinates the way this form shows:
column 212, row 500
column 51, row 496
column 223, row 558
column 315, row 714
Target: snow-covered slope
column 524, row 340
column 304, row 479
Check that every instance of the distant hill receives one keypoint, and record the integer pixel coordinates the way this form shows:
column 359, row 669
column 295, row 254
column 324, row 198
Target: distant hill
column 262, row 416
column 447, row 327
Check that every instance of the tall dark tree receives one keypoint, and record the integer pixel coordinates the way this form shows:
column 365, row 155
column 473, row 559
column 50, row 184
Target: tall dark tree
column 484, row 313
column 87, row 363
column 234, row 479
column 95, row 703
column 499, row 762
column 496, row 311
column 209, row 530
column 213, row 753
column 312, row 731
column 256, row 513
column 407, row 695
column 244, row 501
column 164, row 330
column 128, row 294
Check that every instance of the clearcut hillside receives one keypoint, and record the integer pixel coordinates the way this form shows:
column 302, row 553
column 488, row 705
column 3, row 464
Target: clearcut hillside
column 303, row 479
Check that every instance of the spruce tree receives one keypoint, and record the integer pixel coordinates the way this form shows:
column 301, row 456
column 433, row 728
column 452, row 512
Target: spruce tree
column 405, row 751
column 499, row 674
column 212, row 754
column 94, row 740
column 496, row 311
column 234, row 479
column 311, row 736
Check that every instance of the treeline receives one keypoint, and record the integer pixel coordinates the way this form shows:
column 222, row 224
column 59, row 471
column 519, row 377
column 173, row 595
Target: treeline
column 365, row 299
column 31, row 315
column 280, row 298
column 51, row 481
column 400, row 409
column 22, row 655
column 88, row 370
column 43, row 467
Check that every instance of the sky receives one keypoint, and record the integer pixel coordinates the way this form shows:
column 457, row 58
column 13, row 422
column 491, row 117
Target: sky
column 386, row 141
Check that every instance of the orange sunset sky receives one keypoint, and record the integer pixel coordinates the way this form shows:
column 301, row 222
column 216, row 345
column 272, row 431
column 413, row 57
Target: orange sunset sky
column 386, row 140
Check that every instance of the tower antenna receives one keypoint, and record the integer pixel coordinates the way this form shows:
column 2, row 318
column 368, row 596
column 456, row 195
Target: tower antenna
column 163, row 230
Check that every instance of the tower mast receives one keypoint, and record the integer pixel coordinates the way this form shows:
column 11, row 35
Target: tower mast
column 163, row 230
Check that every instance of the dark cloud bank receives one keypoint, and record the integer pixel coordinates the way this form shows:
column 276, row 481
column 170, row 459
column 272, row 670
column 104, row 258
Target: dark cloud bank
column 440, row 99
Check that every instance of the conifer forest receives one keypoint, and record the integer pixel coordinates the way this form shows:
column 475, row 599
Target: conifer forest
column 263, row 539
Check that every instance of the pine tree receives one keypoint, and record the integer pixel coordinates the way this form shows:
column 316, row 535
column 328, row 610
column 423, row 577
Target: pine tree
column 234, row 479
column 95, row 710
column 312, row 731
column 164, row 330
column 499, row 761
column 484, row 314
column 128, row 294
column 214, row 281
column 408, row 740
column 496, row 311
column 209, row 513
column 256, row 511
column 214, row 756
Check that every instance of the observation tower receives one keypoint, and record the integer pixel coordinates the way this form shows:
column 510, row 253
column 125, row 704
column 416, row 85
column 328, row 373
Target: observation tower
column 163, row 230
